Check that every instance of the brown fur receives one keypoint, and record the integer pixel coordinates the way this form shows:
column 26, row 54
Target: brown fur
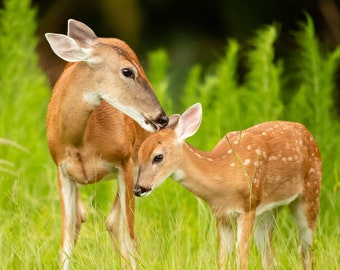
column 248, row 174
column 89, row 139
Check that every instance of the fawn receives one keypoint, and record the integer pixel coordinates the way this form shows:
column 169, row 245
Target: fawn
column 244, row 179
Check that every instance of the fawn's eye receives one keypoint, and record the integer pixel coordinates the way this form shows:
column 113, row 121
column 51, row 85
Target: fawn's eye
column 128, row 73
column 157, row 159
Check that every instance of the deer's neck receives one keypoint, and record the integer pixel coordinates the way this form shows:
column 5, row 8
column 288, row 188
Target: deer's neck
column 77, row 102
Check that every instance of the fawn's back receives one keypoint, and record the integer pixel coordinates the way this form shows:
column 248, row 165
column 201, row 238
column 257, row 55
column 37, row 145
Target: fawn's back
column 270, row 164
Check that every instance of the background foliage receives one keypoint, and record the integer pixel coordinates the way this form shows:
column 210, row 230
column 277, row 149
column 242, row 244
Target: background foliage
column 175, row 230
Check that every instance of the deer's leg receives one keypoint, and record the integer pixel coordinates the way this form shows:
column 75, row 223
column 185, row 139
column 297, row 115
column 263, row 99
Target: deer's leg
column 120, row 222
column 73, row 214
column 113, row 222
column 245, row 224
column 263, row 236
column 226, row 235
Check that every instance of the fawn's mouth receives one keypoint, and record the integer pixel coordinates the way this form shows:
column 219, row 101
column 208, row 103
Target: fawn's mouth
column 140, row 191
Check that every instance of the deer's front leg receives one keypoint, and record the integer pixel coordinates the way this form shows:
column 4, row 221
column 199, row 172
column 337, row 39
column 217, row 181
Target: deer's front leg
column 73, row 214
column 245, row 224
column 226, row 235
column 120, row 222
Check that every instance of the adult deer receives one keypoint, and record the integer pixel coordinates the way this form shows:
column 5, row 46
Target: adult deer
column 89, row 138
column 244, row 179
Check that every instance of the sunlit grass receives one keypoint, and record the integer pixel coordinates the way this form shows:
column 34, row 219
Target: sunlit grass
column 174, row 231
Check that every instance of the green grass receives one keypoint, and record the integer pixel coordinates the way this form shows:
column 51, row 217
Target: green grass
column 175, row 230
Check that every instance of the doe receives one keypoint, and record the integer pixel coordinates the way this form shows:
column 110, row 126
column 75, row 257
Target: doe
column 89, row 138
column 245, row 179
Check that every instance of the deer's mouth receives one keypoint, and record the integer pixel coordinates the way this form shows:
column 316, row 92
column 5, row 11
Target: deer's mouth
column 155, row 126
column 160, row 122
column 151, row 126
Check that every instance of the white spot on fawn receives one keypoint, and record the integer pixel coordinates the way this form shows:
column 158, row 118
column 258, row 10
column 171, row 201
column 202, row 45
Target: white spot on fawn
column 246, row 162
column 272, row 158
column 311, row 170
column 178, row 175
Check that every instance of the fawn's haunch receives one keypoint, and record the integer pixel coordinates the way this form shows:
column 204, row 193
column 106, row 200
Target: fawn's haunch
column 90, row 133
column 244, row 179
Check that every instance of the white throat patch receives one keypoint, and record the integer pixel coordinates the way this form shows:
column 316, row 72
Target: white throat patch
column 178, row 175
column 92, row 98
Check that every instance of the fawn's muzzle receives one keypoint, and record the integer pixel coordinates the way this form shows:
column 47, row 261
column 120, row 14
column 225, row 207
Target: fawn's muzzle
column 141, row 191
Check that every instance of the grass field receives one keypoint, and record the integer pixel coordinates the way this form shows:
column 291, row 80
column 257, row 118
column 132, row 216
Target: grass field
column 175, row 230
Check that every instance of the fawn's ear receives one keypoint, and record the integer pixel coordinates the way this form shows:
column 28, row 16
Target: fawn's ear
column 189, row 122
column 173, row 121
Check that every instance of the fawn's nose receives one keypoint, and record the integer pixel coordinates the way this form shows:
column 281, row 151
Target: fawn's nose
column 141, row 191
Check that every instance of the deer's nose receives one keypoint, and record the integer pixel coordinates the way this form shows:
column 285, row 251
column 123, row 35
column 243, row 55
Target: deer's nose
column 163, row 120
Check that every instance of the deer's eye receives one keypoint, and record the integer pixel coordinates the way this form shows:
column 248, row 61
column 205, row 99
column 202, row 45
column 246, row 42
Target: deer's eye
column 157, row 159
column 128, row 73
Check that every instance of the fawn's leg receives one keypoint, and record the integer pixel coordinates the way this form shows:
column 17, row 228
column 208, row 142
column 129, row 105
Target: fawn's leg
column 245, row 224
column 263, row 236
column 306, row 227
column 306, row 209
column 226, row 235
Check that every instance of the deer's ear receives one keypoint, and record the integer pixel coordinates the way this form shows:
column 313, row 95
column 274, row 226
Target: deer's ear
column 77, row 45
column 67, row 48
column 81, row 32
column 189, row 122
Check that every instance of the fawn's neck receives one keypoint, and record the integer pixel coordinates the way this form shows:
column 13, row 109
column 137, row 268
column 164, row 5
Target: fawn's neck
column 205, row 172
column 217, row 177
